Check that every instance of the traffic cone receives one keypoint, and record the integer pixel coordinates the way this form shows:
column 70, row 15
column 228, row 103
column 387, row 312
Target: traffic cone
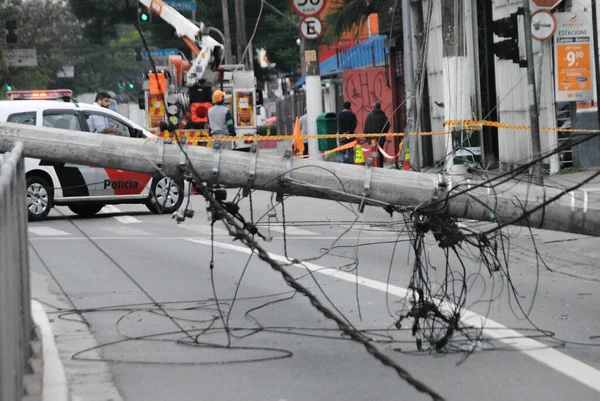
column 359, row 156
column 406, row 162
column 374, row 153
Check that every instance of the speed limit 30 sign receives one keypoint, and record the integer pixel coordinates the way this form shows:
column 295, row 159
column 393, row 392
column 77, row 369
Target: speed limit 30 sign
column 308, row 8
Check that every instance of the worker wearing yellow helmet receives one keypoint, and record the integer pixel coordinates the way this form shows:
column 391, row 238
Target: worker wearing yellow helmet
column 220, row 120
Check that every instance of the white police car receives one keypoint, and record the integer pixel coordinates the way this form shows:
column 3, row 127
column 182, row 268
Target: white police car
column 84, row 189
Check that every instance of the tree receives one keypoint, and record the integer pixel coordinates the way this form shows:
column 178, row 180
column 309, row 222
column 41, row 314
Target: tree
column 345, row 15
column 101, row 17
column 49, row 27
column 278, row 35
column 102, row 67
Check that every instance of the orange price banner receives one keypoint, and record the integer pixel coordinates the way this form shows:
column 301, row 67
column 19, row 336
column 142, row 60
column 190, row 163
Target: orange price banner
column 574, row 70
column 573, row 66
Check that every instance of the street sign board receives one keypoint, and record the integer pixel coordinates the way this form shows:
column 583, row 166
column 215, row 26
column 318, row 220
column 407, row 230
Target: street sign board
column 543, row 25
column 572, row 57
column 311, row 28
column 182, row 5
column 20, row 57
column 308, row 8
column 160, row 53
column 546, row 3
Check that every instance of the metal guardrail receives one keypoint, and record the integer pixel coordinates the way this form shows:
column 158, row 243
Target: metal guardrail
column 15, row 303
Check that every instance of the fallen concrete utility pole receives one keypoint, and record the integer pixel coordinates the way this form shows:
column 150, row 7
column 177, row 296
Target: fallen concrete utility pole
column 577, row 211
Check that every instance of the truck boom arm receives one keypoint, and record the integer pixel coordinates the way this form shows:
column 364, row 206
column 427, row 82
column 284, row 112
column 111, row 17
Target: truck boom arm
column 207, row 51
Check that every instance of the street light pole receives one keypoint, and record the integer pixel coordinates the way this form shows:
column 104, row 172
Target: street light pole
column 534, row 115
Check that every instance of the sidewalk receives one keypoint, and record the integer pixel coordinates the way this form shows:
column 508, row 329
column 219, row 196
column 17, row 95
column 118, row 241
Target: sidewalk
column 571, row 179
column 64, row 378
column 54, row 379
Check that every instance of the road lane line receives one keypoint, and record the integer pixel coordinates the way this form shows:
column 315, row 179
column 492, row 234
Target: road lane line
column 569, row 366
column 223, row 237
column 289, row 230
column 120, row 219
column 127, row 232
column 47, row 231
column 204, row 229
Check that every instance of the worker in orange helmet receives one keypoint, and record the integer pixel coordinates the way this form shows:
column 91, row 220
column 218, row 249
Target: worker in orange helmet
column 220, row 120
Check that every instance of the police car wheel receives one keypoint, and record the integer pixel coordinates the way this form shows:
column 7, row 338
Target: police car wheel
column 166, row 195
column 86, row 210
column 39, row 198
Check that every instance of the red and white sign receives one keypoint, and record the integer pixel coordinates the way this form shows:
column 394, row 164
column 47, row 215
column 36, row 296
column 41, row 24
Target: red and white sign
column 21, row 58
column 311, row 28
column 308, row 8
column 546, row 3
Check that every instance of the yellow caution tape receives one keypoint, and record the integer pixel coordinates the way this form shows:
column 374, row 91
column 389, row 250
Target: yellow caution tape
column 497, row 124
column 201, row 136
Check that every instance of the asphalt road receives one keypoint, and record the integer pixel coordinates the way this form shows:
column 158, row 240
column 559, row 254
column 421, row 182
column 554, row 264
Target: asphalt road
column 168, row 327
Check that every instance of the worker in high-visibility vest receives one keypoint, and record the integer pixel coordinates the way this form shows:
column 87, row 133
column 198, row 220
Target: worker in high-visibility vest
column 220, row 120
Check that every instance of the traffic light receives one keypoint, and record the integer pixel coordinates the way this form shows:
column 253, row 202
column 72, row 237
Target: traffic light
column 144, row 15
column 121, row 83
column 131, row 85
column 138, row 54
column 11, row 31
column 9, row 87
column 508, row 49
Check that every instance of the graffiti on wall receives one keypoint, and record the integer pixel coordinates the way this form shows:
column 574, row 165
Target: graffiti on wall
column 363, row 88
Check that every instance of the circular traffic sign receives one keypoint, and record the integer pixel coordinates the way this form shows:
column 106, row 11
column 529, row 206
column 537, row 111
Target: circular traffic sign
column 543, row 25
column 307, row 8
column 311, row 28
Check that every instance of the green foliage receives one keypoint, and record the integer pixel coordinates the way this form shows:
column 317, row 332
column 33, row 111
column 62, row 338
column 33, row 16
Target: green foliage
column 101, row 17
column 578, row 168
column 262, row 130
column 101, row 68
column 272, row 129
column 331, row 157
column 49, row 27
column 349, row 14
column 276, row 33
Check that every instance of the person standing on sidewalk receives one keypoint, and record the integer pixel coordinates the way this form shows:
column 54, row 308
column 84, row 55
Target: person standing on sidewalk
column 220, row 120
column 377, row 123
column 346, row 122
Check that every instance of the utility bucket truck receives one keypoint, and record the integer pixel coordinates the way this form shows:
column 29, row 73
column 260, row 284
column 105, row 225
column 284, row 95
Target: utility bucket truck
column 180, row 94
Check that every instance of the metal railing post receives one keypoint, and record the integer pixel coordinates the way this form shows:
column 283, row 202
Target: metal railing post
column 15, row 310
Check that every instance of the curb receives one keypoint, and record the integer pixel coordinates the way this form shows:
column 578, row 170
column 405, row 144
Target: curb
column 54, row 382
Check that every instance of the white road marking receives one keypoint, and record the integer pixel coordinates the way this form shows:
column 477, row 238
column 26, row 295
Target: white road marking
column 120, row 219
column 569, row 366
column 223, row 236
column 126, row 231
column 288, row 230
column 43, row 230
column 365, row 229
column 204, row 229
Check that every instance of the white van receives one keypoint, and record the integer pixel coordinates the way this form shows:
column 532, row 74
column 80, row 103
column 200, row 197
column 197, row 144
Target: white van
column 84, row 189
